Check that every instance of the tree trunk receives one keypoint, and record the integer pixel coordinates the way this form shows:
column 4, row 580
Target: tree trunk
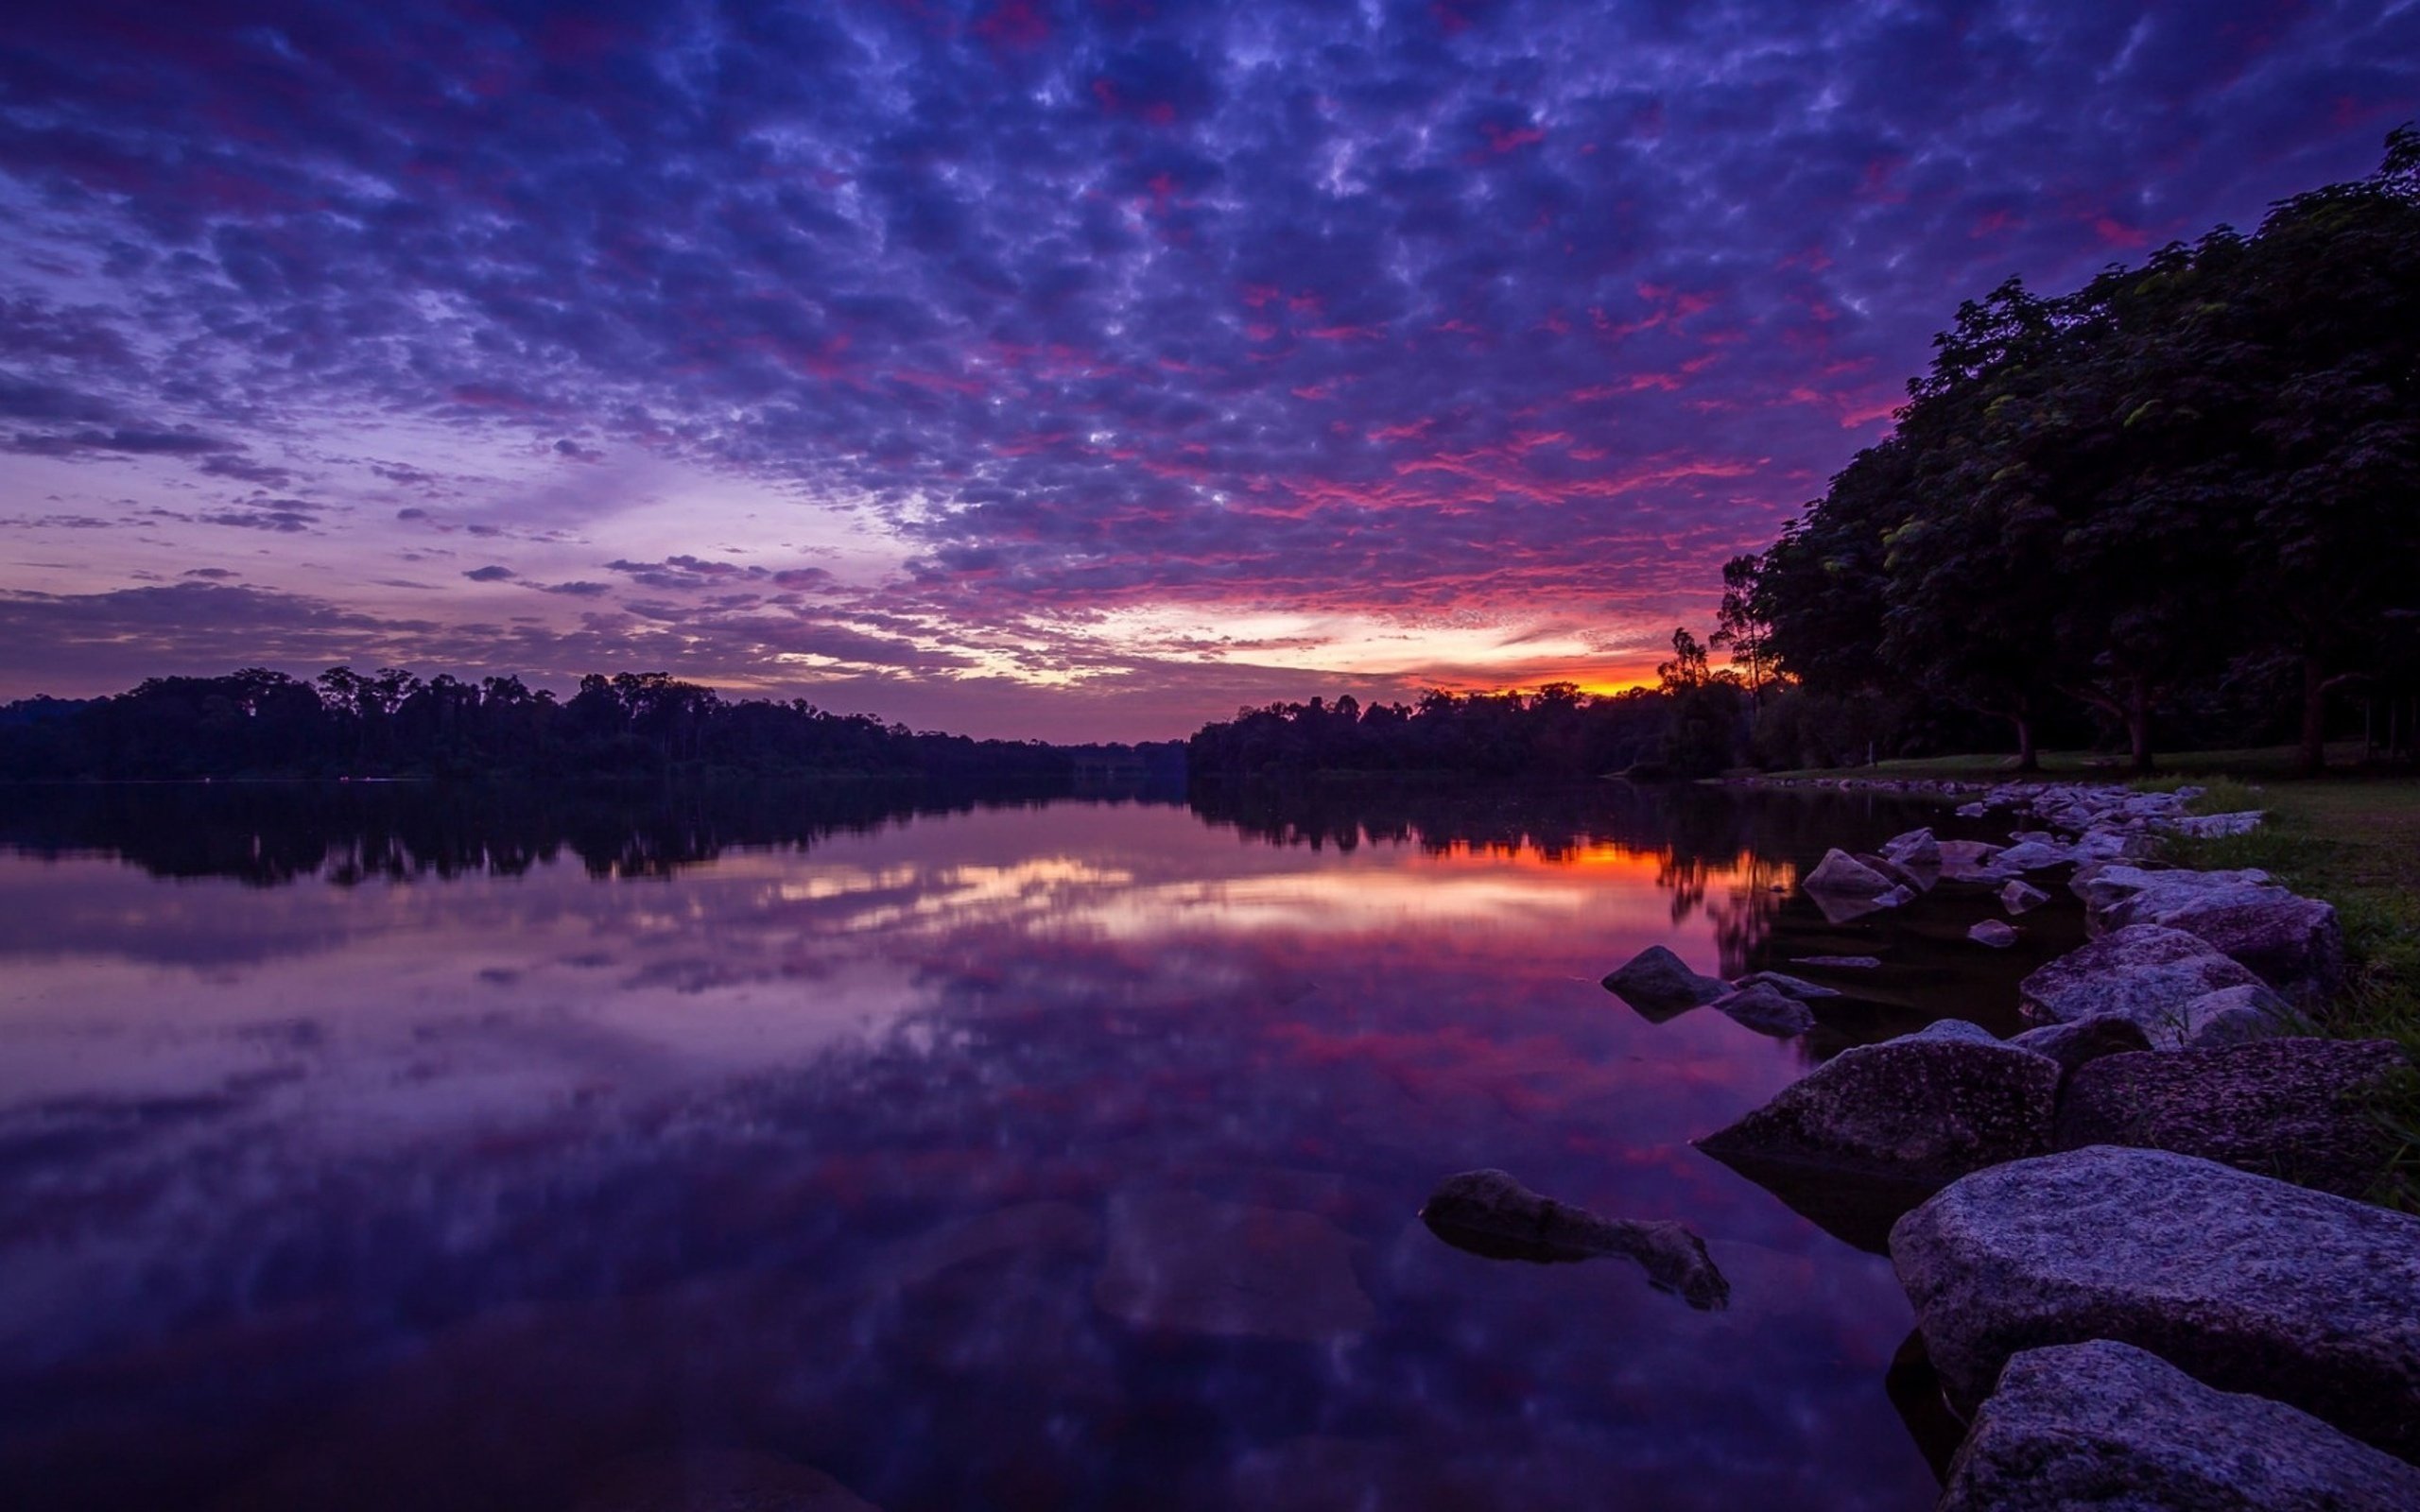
column 2313, row 757
column 2028, row 758
column 2138, row 723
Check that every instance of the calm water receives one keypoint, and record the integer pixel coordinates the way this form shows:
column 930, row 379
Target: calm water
column 371, row 1147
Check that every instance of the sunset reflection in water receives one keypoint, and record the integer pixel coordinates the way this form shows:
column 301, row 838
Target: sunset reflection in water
column 1041, row 1155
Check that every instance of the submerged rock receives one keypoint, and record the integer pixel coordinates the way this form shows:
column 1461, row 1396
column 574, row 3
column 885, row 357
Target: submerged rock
column 2297, row 1110
column 1995, row 932
column 1927, row 1107
column 2248, row 1283
column 1968, row 861
column 1839, row 962
column 2142, row 972
column 1490, row 1213
column 1660, row 985
column 1799, row 987
column 1841, row 875
column 1186, row 1264
column 2104, row 1424
column 2085, row 1040
column 1767, row 1010
column 2022, row 897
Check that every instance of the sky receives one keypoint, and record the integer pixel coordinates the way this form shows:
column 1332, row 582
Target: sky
column 1059, row 368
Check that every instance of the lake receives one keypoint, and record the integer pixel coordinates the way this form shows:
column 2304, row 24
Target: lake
column 375, row 1146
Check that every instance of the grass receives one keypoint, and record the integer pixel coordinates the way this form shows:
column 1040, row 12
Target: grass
column 2356, row 843
column 2258, row 761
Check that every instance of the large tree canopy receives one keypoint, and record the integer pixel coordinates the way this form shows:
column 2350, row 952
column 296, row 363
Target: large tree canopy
column 2203, row 467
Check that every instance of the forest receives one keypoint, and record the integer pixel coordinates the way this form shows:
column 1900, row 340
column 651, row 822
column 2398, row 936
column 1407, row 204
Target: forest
column 2177, row 508
column 259, row 724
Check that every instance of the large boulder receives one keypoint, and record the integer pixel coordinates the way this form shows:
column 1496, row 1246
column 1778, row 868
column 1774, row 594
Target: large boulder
column 2022, row 897
column 2232, row 1015
column 2105, row 1424
column 1490, row 1213
column 1782, row 981
column 2293, row 943
column 1660, row 985
column 2143, row 972
column 1925, row 1108
column 1766, row 1009
column 2298, row 1109
column 1841, row 875
column 2246, row 1283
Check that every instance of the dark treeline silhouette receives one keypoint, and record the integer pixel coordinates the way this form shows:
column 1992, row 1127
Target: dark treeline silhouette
column 270, row 833
column 257, row 723
column 2186, row 494
column 1556, row 731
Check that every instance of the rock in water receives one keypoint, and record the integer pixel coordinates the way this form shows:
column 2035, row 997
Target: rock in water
column 1839, row 962
column 1841, row 875
column 1660, row 985
column 1805, row 991
column 1993, row 932
column 2106, row 1425
column 1925, row 1108
column 2297, row 1110
column 2085, row 1040
column 1186, row 1264
column 2245, row 1283
column 1767, row 1010
column 2022, row 897
column 2293, row 943
column 2143, row 972
column 1489, row 1213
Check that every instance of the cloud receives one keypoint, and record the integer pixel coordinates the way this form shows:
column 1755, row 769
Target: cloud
column 491, row 574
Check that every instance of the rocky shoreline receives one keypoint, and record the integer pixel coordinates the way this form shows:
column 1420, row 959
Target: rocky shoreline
column 2132, row 1233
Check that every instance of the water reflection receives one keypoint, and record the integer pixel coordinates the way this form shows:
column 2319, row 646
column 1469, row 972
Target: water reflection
column 970, row 1153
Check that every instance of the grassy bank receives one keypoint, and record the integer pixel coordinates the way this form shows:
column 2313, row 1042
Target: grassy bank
column 2259, row 763
column 2354, row 843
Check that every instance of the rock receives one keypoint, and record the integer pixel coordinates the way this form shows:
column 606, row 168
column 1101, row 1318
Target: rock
column 2248, row 1283
column 1927, row 1107
column 2022, row 898
column 1184, row 1263
column 2085, row 1040
column 2234, row 1015
column 1841, row 875
column 1995, row 932
column 1838, row 963
column 1767, row 1010
column 716, row 1480
column 2205, row 826
column 2143, row 972
column 2104, row 1424
column 1489, row 1213
column 1901, row 877
column 1967, row 860
column 1803, row 990
column 2031, row 855
column 1972, row 811
column 2291, row 942
column 2297, row 1110
column 1660, row 985
column 1917, row 850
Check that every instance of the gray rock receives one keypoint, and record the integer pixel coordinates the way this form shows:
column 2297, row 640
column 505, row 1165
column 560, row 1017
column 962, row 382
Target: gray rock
column 2143, row 972
column 2297, row 1110
column 2022, row 898
column 1841, row 875
column 1490, row 1213
column 2033, row 856
column 1927, row 1107
column 2248, row 1283
column 2293, row 943
column 1839, row 962
column 1995, row 932
column 1799, row 987
column 2204, row 825
column 1660, row 985
column 1767, row 1010
column 2085, row 1040
column 2234, row 1015
column 2105, row 1424
column 1967, row 860
column 1181, row 1262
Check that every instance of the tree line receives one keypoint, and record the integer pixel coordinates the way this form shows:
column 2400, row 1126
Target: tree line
column 2187, row 491
column 392, row 723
